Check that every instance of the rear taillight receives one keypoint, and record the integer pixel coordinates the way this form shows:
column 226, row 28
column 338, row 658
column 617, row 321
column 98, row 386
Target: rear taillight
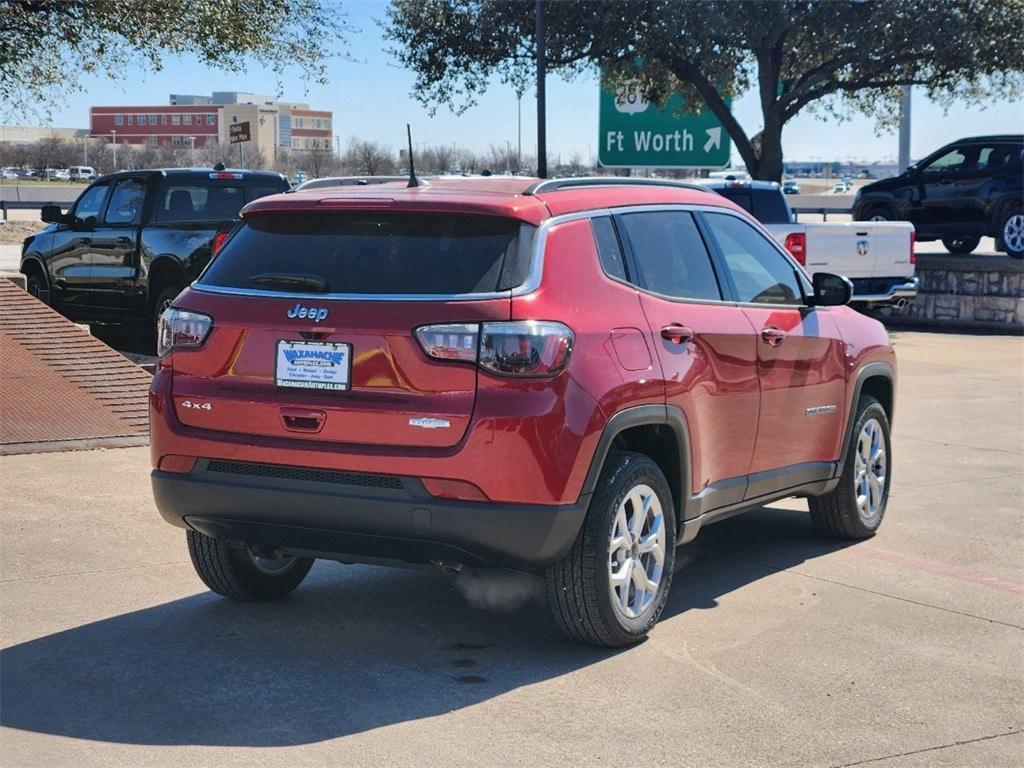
column 180, row 329
column 218, row 242
column 796, row 244
column 529, row 348
column 450, row 342
column 913, row 247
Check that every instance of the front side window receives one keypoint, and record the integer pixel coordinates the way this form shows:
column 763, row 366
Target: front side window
column 126, row 202
column 670, row 254
column 951, row 161
column 760, row 274
column 88, row 207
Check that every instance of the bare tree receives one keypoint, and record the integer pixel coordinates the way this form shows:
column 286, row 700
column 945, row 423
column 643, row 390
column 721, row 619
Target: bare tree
column 368, row 157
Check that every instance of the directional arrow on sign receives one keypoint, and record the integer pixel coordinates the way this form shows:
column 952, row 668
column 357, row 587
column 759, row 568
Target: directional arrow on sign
column 714, row 138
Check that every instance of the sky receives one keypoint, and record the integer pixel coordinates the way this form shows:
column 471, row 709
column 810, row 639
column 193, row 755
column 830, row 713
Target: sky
column 369, row 94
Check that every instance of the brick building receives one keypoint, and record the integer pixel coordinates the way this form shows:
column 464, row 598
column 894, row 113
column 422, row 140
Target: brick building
column 196, row 121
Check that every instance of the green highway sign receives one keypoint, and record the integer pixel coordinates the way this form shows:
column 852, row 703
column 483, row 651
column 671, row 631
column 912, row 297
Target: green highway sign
column 635, row 133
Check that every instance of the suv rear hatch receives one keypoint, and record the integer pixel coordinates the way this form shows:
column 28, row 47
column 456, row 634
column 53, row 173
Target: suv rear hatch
column 315, row 317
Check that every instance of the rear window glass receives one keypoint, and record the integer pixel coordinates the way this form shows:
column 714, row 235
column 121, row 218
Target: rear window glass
column 766, row 205
column 374, row 253
column 192, row 201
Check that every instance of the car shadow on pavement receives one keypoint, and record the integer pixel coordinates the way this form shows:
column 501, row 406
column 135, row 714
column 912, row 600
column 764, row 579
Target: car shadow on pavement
column 355, row 648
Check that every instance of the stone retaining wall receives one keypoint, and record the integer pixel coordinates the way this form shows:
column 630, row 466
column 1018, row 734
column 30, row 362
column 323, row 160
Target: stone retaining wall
column 969, row 291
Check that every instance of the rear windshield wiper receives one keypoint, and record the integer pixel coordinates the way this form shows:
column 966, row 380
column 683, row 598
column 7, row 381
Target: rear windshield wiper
column 290, row 282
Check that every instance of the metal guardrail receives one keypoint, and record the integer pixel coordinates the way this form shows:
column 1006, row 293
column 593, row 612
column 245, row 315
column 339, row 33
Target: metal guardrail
column 27, row 205
column 822, row 211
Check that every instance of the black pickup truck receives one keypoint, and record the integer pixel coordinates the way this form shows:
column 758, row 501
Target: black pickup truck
column 133, row 240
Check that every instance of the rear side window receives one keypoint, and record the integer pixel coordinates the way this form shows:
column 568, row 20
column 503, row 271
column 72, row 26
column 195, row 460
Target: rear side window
column 126, row 201
column 766, row 205
column 670, row 254
column 608, row 248
column 192, row 201
column 374, row 253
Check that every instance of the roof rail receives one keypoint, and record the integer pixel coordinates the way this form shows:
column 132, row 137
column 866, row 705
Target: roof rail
column 555, row 185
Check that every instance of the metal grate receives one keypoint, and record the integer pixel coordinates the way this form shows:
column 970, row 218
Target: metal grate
column 308, row 475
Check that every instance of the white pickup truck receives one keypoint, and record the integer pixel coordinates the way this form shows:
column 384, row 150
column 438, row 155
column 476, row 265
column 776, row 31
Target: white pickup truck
column 878, row 257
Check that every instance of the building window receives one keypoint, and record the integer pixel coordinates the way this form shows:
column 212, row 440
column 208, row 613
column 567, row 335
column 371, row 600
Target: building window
column 199, row 119
column 163, row 119
column 186, row 119
column 295, row 143
column 176, row 141
column 151, row 141
column 129, row 119
column 140, row 119
column 211, row 119
column 175, row 119
column 118, row 119
column 298, row 122
column 152, row 119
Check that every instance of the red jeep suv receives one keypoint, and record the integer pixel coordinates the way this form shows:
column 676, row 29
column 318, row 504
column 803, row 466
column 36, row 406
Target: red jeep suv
column 566, row 377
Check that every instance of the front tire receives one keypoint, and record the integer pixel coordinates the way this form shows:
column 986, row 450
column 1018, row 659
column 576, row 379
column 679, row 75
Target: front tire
column 1011, row 233
column 855, row 507
column 611, row 588
column 243, row 573
column 35, row 285
column 960, row 245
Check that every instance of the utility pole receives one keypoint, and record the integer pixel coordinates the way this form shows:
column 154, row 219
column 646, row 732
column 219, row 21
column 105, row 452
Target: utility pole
column 542, row 64
column 508, row 157
column 519, row 146
column 113, row 142
column 904, row 156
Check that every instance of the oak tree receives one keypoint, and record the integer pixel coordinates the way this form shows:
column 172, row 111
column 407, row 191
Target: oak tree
column 836, row 58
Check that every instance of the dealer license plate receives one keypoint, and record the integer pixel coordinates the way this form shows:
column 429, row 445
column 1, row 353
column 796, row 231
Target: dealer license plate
column 313, row 365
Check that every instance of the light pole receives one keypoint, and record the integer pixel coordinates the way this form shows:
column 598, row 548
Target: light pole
column 519, row 146
column 508, row 157
column 113, row 142
column 192, row 145
column 540, row 42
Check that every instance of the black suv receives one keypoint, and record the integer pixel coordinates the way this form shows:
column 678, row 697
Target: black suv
column 967, row 190
column 134, row 239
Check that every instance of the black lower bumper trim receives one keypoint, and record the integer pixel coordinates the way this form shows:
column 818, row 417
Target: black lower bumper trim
column 366, row 523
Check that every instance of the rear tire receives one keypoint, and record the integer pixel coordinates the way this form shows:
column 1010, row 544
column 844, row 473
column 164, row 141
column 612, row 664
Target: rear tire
column 611, row 588
column 163, row 301
column 239, row 573
column 855, row 507
column 960, row 245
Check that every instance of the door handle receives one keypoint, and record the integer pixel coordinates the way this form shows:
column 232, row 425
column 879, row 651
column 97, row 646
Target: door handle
column 83, row 240
column 677, row 334
column 773, row 336
column 123, row 240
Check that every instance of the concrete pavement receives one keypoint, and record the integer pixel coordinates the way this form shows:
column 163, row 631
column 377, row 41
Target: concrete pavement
column 778, row 647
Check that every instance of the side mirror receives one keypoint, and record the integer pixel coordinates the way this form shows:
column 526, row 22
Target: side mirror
column 830, row 290
column 52, row 214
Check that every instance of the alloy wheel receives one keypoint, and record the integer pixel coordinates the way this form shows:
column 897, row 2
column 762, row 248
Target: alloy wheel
column 1013, row 232
column 272, row 566
column 636, row 554
column 869, row 475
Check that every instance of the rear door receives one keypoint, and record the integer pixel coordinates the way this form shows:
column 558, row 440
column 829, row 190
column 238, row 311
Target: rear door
column 315, row 321
column 705, row 347
column 800, row 359
column 113, row 264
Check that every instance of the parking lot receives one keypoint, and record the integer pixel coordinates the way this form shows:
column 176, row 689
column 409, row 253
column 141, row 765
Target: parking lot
column 778, row 647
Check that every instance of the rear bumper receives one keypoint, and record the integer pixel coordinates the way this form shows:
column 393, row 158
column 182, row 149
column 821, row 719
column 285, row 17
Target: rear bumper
column 359, row 517
column 874, row 291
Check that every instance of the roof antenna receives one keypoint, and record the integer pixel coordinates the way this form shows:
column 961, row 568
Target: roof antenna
column 413, row 181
